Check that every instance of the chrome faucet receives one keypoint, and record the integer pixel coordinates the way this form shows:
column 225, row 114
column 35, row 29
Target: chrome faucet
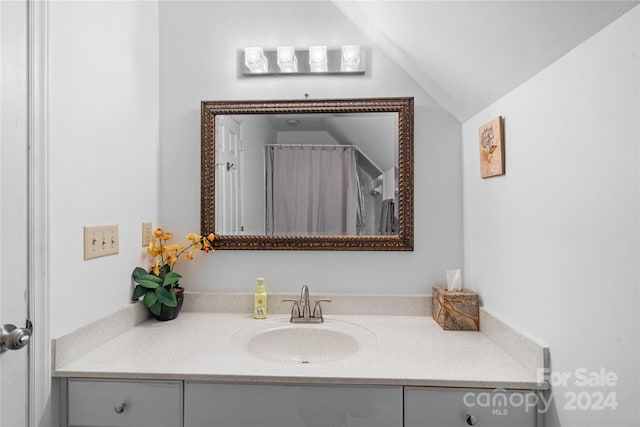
column 301, row 310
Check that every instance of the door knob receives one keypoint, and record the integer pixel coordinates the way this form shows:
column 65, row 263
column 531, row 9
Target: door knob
column 13, row 338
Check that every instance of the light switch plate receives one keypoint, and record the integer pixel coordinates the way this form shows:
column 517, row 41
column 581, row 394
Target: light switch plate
column 147, row 233
column 101, row 240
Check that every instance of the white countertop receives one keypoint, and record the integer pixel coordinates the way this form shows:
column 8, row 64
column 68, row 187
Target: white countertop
column 408, row 350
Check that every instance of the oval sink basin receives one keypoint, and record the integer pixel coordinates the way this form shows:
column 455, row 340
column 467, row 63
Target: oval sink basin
column 280, row 341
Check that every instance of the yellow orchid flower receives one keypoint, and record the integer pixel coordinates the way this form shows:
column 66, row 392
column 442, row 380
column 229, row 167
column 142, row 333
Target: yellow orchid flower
column 172, row 248
column 193, row 237
column 153, row 251
column 171, row 259
column 167, row 236
column 158, row 232
column 211, row 236
column 156, row 268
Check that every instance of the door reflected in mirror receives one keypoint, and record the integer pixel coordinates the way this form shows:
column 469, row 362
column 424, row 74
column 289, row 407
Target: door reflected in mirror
column 308, row 174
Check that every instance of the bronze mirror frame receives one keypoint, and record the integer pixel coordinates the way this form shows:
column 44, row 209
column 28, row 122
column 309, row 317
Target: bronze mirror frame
column 403, row 241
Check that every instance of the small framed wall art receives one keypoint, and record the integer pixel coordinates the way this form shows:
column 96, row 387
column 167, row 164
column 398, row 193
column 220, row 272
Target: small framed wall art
column 491, row 137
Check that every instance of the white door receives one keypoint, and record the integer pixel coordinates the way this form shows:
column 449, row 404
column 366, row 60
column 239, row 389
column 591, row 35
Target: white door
column 14, row 213
column 229, row 183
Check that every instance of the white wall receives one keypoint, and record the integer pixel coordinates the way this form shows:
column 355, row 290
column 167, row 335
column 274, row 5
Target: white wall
column 103, row 134
column 553, row 246
column 198, row 61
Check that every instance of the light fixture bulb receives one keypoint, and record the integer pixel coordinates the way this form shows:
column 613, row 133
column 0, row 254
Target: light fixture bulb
column 255, row 60
column 318, row 59
column 287, row 60
column 350, row 58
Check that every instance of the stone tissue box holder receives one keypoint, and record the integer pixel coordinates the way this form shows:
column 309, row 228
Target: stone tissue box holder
column 456, row 310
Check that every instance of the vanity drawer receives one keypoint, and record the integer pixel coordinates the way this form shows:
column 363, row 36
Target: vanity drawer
column 441, row 407
column 124, row 403
column 273, row 405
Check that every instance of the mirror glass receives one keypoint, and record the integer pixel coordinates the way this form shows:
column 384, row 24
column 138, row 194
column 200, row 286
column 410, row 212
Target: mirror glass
column 309, row 174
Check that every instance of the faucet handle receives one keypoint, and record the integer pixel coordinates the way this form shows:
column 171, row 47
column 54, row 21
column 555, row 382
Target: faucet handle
column 295, row 310
column 317, row 310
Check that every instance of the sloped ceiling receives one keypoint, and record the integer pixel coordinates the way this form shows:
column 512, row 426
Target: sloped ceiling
column 468, row 54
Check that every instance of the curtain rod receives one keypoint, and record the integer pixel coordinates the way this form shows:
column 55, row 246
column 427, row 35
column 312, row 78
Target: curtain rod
column 334, row 146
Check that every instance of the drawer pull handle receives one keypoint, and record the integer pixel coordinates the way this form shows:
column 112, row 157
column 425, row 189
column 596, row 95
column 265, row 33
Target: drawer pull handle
column 471, row 420
column 119, row 408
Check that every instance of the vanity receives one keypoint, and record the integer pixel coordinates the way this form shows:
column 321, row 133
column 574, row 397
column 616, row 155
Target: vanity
column 375, row 361
column 217, row 366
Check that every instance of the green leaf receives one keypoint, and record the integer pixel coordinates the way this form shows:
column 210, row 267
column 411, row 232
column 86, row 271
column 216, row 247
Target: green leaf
column 166, row 297
column 155, row 308
column 164, row 269
column 148, row 284
column 150, row 299
column 171, row 279
column 148, row 277
column 138, row 292
column 138, row 271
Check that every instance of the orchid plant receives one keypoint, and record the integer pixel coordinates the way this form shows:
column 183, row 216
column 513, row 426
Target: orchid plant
column 160, row 283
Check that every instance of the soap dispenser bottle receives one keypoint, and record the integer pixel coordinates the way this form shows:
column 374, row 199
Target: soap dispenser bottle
column 260, row 300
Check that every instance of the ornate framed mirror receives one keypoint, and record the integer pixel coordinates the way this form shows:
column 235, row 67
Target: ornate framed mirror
column 322, row 174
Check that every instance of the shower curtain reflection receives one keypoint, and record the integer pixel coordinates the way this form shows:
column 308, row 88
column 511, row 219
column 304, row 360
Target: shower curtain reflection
column 312, row 190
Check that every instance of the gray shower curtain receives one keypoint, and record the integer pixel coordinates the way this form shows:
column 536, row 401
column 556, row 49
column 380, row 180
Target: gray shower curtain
column 312, row 190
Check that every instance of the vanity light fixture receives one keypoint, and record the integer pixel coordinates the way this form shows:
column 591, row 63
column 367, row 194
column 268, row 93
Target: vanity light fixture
column 318, row 59
column 350, row 57
column 255, row 60
column 287, row 60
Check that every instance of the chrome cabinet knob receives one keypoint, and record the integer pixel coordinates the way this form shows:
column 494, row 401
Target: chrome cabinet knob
column 119, row 408
column 471, row 420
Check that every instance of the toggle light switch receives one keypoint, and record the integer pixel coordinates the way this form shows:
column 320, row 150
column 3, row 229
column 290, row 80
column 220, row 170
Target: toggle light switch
column 101, row 240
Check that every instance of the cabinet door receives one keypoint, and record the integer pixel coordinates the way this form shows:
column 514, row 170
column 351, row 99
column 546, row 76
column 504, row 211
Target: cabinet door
column 441, row 407
column 124, row 403
column 250, row 405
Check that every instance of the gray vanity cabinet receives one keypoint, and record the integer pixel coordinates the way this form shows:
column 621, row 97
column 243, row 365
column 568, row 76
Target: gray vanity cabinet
column 120, row 403
column 124, row 403
column 450, row 407
column 236, row 405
